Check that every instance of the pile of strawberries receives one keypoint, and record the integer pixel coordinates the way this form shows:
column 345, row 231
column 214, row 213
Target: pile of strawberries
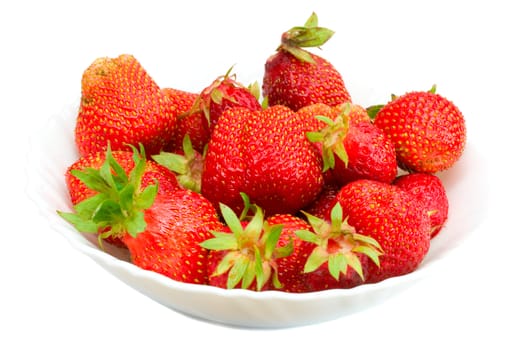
column 300, row 189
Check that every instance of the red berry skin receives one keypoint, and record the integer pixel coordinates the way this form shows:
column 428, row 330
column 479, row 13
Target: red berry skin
column 427, row 130
column 176, row 223
column 429, row 190
column 121, row 104
column 290, row 268
column 390, row 216
column 321, row 279
column 264, row 154
column 371, row 155
column 294, row 83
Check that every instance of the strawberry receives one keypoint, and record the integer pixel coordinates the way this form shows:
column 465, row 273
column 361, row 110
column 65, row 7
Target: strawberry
column 264, row 154
column 122, row 104
column 352, row 147
column 428, row 131
column 428, row 189
column 296, row 78
column 186, row 164
column 389, row 215
column 161, row 230
column 223, row 93
column 187, row 121
column 341, row 255
column 257, row 254
column 153, row 172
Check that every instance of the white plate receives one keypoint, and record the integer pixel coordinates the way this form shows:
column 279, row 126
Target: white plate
column 52, row 151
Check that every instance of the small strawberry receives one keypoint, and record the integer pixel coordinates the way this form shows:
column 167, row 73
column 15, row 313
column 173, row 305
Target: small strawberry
column 296, row 78
column 428, row 131
column 341, row 255
column 257, row 254
column 161, row 230
column 122, row 104
column 223, row 93
column 428, row 189
column 264, row 154
column 187, row 165
column 187, row 121
column 352, row 147
column 389, row 215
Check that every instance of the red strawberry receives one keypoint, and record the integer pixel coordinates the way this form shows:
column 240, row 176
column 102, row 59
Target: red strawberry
column 428, row 131
column 341, row 256
column 296, row 78
column 430, row 192
column 121, row 103
column 352, row 147
column 264, row 154
column 389, row 215
column 161, row 230
column 223, row 93
column 188, row 122
column 257, row 254
column 153, row 172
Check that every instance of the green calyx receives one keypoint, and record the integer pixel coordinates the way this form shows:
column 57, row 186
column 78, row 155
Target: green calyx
column 118, row 207
column 332, row 138
column 188, row 166
column 251, row 248
column 338, row 245
column 309, row 35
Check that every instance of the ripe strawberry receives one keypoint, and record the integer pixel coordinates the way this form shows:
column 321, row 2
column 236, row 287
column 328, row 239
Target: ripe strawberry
column 187, row 121
column 264, row 154
column 153, row 172
column 296, row 78
column 430, row 192
column 257, row 254
column 428, row 131
column 121, row 103
column 341, row 255
column 223, row 93
column 352, row 147
column 161, row 230
column 389, row 215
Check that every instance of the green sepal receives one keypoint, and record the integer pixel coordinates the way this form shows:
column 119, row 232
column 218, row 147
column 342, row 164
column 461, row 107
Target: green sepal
column 318, row 257
column 221, row 241
column 373, row 110
column 118, row 206
column 309, row 35
column 341, row 233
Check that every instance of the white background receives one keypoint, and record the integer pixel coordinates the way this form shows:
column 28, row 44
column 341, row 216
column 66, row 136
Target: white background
column 53, row 297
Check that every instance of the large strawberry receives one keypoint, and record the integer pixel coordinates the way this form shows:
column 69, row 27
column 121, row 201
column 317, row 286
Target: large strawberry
column 161, row 230
column 427, row 189
column 352, row 147
column 122, row 104
column 428, row 130
column 394, row 219
column 296, row 78
column 264, row 154
column 257, row 253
